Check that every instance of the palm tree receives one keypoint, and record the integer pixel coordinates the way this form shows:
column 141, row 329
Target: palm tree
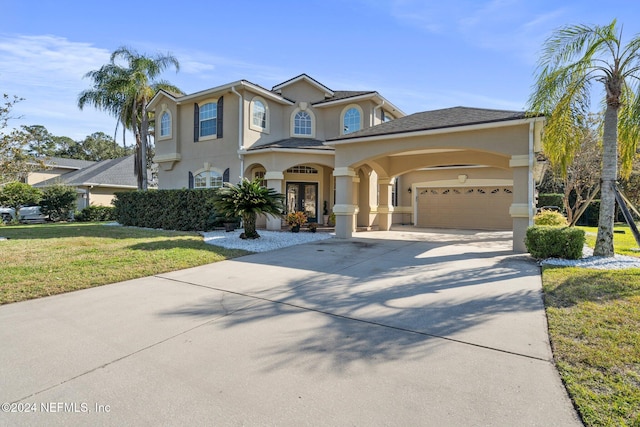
column 573, row 58
column 248, row 199
column 125, row 92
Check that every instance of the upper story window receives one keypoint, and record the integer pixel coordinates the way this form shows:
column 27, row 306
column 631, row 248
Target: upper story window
column 302, row 123
column 351, row 120
column 165, row 124
column 207, row 179
column 258, row 114
column 207, row 120
column 386, row 117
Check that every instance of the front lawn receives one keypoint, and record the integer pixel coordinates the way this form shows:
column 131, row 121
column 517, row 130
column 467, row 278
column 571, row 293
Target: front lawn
column 594, row 325
column 47, row 259
column 623, row 240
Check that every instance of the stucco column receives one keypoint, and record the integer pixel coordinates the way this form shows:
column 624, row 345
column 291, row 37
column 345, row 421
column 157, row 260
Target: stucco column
column 344, row 209
column 274, row 181
column 522, row 209
column 385, row 207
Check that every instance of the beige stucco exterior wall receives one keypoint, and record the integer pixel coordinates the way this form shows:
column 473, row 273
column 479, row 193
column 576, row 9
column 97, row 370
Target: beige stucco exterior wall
column 39, row 176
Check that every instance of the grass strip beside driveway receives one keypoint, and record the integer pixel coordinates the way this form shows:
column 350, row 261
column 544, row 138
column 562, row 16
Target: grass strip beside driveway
column 48, row 259
column 594, row 325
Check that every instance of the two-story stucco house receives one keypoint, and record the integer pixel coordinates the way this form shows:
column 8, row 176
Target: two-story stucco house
column 354, row 152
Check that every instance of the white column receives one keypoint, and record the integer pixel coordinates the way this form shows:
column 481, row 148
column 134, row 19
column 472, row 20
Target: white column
column 274, row 181
column 344, row 209
column 522, row 208
column 385, row 206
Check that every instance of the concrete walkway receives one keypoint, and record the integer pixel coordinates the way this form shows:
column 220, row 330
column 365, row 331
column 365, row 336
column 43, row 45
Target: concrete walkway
column 397, row 328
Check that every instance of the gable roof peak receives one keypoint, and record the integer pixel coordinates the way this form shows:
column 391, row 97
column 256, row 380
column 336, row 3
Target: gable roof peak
column 278, row 88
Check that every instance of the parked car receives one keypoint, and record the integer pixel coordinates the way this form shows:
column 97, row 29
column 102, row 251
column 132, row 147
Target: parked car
column 30, row 214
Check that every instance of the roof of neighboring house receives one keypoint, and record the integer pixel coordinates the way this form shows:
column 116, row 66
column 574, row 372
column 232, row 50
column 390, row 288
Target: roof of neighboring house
column 437, row 119
column 298, row 143
column 106, row 173
column 61, row 162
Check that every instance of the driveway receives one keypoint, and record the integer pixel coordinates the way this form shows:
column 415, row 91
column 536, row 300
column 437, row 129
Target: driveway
column 386, row 328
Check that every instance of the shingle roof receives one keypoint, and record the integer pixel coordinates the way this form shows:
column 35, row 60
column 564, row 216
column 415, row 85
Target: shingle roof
column 345, row 94
column 113, row 172
column 68, row 163
column 437, row 119
column 300, row 143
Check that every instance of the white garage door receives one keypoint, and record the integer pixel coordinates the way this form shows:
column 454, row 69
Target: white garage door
column 482, row 208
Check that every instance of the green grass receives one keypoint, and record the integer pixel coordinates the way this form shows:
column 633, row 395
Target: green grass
column 594, row 325
column 48, row 259
column 623, row 240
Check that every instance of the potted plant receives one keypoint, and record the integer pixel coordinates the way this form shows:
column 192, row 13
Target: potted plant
column 313, row 226
column 332, row 220
column 325, row 213
column 296, row 220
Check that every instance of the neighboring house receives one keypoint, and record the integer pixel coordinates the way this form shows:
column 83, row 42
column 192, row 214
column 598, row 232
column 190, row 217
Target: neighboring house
column 55, row 167
column 357, row 152
column 98, row 181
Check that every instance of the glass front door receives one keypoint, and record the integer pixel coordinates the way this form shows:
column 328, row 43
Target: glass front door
column 303, row 196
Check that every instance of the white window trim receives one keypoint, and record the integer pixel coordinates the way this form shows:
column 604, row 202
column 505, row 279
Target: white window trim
column 170, row 135
column 252, row 126
column 293, row 123
column 344, row 111
column 200, row 104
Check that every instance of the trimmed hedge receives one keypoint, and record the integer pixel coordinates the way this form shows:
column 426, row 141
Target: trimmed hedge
column 96, row 213
column 185, row 210
column 554, row 242
column 550, row 199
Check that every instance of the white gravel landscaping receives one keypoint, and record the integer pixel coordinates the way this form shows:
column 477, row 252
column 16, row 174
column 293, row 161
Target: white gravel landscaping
column 601, row 263
column 268, row 241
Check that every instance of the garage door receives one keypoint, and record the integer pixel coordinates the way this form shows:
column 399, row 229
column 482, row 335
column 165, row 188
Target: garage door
column 483, row 208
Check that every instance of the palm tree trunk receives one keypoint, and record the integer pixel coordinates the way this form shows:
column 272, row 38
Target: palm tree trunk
column 250, row 226
column 604, row 240
column 144, row 131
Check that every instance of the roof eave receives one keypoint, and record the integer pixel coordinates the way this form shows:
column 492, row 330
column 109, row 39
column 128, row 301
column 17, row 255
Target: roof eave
column 434, row 131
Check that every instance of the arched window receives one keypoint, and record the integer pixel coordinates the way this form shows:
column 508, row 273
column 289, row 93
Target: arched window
column 259, row 113
column 207, row 179
column 208, row 119
column 165, row 124
column 302, row 124
column 351, row 121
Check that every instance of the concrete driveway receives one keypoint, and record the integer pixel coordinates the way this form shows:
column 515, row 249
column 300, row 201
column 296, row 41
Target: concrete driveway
column 387, row 328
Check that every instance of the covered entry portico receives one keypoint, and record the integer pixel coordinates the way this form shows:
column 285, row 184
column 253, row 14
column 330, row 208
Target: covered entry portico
column 484, row 159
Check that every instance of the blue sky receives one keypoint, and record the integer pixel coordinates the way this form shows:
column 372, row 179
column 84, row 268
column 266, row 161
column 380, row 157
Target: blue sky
column 419, row 54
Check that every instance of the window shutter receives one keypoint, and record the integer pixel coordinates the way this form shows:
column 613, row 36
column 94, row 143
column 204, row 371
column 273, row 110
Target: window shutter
column 190, row 180
column 220, row 116
column 225, row 175
column 196, row 122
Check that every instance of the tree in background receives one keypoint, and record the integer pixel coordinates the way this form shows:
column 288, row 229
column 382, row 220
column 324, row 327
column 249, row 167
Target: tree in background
column 125, row 92
column 15, row 161
column 580, row 181
column 41, row 143
column 573, row 58
column 248, row 199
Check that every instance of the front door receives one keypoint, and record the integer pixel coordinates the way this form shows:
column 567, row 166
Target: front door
column 303, row 196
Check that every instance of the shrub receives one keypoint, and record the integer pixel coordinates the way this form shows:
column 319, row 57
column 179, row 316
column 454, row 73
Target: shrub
column 96, row 213
column 550, row 218
column 58, row 201
column 554, row 242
